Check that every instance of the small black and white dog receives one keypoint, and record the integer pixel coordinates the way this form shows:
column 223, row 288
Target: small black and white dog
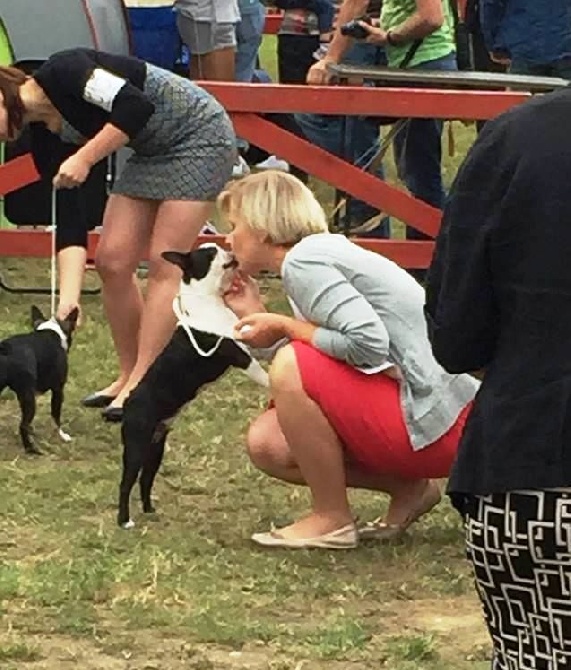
column 201, row 350
column 36, row 362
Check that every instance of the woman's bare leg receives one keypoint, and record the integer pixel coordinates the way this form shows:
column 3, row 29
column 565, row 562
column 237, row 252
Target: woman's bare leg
column 268, row 450
column 320, row 460
column 217, row 65
column 127, row 226
column 176, row 227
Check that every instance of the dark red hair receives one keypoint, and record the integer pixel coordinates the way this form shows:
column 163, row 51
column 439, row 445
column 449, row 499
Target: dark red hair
column 10, row 81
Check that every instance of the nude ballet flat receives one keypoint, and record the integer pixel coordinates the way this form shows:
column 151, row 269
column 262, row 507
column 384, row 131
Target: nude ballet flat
column 343, row 538
column 380, row 530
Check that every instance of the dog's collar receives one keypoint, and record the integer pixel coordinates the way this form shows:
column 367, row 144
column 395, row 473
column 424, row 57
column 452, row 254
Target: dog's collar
column 54, row 326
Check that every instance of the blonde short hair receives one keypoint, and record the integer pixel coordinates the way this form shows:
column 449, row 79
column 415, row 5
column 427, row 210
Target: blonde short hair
column 274, row 203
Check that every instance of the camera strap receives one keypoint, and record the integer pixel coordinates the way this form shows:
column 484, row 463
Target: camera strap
column 410, row 54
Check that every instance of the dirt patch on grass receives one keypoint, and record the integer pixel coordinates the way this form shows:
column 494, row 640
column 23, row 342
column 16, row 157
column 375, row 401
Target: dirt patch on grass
column 455, row 623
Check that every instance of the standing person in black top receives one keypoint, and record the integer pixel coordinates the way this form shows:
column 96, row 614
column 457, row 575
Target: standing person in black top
column 499, row 302
column 184, row 148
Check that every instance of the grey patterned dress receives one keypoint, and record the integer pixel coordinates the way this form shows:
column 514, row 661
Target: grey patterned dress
column 187, row 148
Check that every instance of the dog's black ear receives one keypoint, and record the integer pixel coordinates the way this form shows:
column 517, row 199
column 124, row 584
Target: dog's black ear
column 201, row 260
column 182, row 260
column 71, row 318
column 69, row 323
column 37, row 316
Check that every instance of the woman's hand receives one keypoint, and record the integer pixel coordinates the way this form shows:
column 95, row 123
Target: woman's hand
column 261, row 330
column 72, row 172
column 243, row 296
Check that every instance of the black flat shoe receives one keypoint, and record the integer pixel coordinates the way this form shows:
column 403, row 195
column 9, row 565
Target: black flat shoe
column 113, row 414
column 97, row 400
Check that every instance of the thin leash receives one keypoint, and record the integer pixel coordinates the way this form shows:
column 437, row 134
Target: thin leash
column 181, row 315
column 53, row 268
column 197, row 56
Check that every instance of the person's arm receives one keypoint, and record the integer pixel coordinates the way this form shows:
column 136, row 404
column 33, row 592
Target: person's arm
column 342, row 322
column 427, row 18
column 71, row 220
column 128, row 107
column 340, row 44
column 75, row 169
column 318, row 74
column 71, row 268
column 461, row 310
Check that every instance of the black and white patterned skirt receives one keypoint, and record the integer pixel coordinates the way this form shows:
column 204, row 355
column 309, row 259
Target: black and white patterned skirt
column 520, row 546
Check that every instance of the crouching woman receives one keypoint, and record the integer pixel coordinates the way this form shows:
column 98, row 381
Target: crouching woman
column 358, row 399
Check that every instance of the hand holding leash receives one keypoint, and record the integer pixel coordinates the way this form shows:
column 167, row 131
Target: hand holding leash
column 72, row 172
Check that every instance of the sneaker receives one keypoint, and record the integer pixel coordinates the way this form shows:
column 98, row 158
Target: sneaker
column 240, row 168
column 273, row 163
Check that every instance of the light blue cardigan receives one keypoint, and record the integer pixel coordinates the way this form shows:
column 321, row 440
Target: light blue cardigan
column 370, row 312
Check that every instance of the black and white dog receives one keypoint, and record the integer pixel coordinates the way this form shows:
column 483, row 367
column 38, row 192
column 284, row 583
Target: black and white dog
column 36, row 362
column 201, row 350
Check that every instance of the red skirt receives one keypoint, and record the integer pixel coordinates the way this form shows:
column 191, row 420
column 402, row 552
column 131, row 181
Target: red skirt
column 365, row 411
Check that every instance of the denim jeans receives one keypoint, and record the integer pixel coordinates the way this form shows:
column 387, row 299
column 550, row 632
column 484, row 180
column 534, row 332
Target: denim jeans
column 249, row 33
column 350, row 137
column 418, row 153
column 561, row 68
column 248, row 39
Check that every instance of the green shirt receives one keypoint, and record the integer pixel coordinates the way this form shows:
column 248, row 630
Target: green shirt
column 436, row 45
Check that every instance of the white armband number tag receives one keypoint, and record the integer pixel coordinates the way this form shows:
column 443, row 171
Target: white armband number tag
column 102, row 88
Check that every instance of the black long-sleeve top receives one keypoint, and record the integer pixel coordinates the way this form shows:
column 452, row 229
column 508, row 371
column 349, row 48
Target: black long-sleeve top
column 90, row 89
column 499, row 298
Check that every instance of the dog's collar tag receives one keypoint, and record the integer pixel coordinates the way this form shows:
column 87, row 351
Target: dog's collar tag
column 54, row 326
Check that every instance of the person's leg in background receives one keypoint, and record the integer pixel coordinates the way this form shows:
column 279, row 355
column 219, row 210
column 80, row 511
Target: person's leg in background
column 295, row 57
column 561, row 69
column 212, row 48
column 481, row 57
column 355, row 139
column 418, row 153
column 249, row 33
column 363, row 142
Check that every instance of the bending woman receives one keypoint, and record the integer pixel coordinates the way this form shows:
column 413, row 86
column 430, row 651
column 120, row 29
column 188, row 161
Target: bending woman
column 358, row 399
column 184, row 148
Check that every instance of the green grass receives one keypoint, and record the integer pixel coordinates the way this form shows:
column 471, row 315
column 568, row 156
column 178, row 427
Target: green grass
column 186, row 589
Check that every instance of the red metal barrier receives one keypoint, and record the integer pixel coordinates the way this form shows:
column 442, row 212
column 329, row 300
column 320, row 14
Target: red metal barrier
column 37, row 244
column 273, row 20
column 246, row 102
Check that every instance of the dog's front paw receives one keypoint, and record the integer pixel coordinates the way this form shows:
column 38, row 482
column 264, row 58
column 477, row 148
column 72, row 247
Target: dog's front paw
column 64, row 436
column 32, row 450
column 127, row 525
